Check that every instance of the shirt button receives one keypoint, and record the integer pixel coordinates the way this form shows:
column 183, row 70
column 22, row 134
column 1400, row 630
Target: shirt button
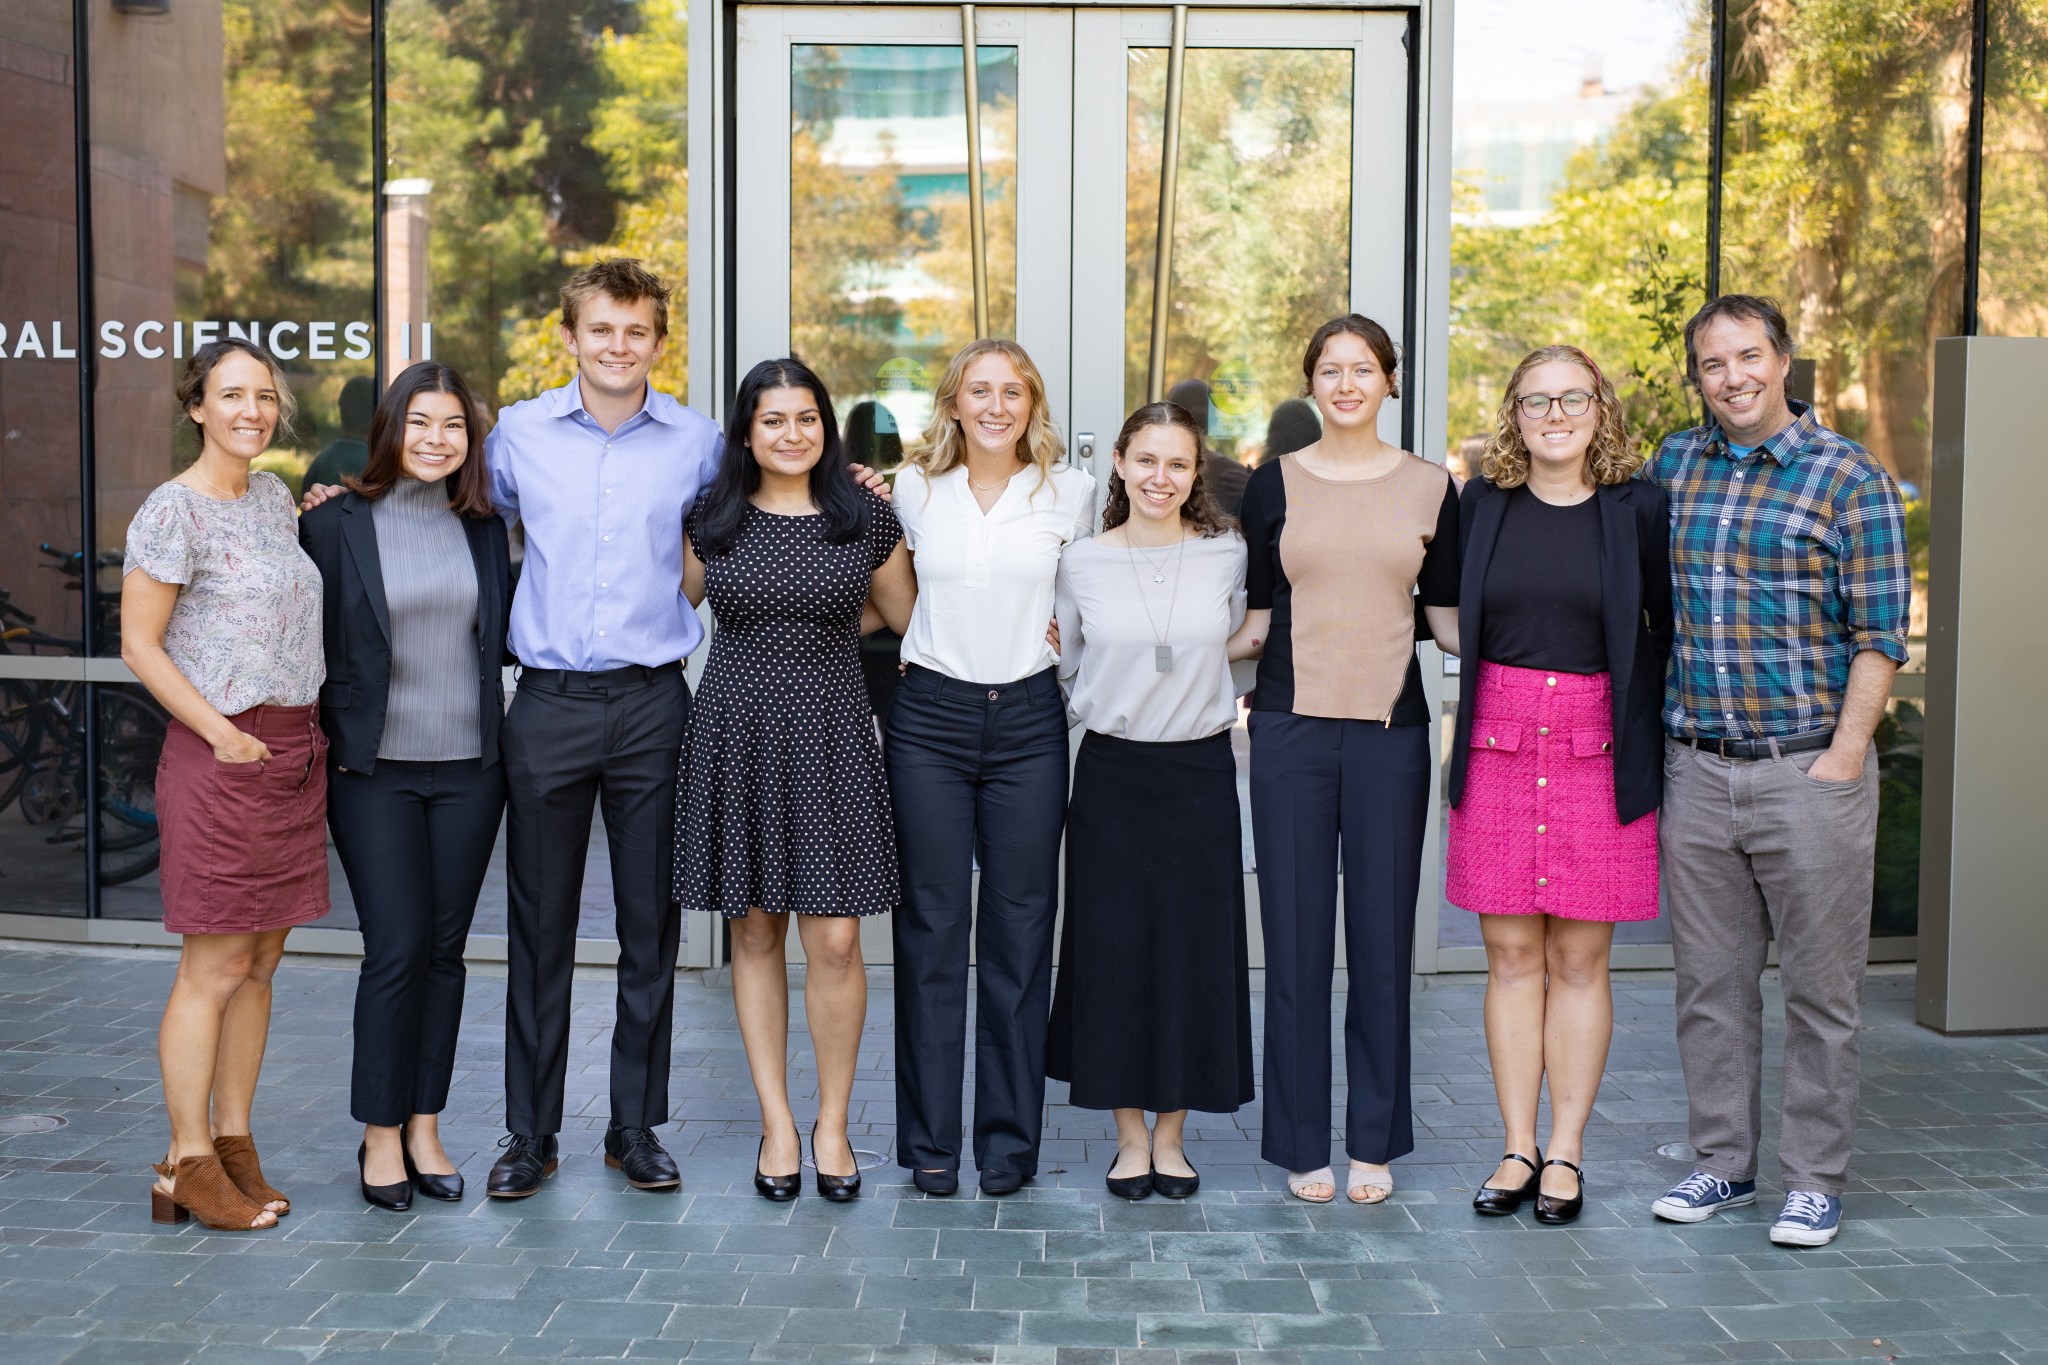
column 1721, row 668
column 1542, row 781
column 607, row 537
column 1543, row 729
column 608, row 493
column 1717, row 568
column 1543, row 829
column 1550, row 682
column 1489, row 741
column 1543, row 881
column 604, row 585
column 1738, row 473
column 600, row 632
column 1724, row 520
column 1717, row 620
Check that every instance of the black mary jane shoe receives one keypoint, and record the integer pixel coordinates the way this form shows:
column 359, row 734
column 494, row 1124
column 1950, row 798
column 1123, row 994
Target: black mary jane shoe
column 1132, row 1187
column 936, row 1183
column 837, row 1188
column 1176, row 1186
column 1494, row 1201
column 1558, row 1212
column 397, row 1198
column 447, row 1188
column 780, row 1188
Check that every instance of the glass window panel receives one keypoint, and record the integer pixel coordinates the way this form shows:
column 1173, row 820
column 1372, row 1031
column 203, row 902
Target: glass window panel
column 232, row 193
column 881, row 289
column 1261, row 233
column 42, row 867
column 2012, row 277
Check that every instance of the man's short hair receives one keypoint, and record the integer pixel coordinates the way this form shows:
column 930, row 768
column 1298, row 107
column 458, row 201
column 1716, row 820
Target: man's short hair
column 1746, row 308
column 618, row 277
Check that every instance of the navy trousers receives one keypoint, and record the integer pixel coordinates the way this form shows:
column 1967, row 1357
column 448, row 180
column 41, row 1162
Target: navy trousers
column 977, row 772
column 1319, row 785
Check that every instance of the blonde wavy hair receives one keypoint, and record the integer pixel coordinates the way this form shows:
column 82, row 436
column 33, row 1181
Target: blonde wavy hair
column 943, row 447
column 1611, row 458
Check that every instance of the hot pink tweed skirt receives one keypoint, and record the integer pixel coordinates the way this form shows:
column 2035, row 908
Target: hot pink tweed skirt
column 1535, row 832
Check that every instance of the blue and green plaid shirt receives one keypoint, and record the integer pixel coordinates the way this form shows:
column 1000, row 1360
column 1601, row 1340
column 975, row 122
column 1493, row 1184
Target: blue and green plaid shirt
column 1785, row 563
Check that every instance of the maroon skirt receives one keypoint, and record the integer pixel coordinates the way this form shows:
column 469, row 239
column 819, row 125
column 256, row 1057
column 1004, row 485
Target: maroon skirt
column 244, row 844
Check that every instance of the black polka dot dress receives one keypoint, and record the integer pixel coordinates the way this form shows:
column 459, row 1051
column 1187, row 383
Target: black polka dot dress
column 782, row 800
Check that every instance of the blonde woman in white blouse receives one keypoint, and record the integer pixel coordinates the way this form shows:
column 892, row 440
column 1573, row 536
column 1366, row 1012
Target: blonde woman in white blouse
column 1153, row 1010
column 976, row 749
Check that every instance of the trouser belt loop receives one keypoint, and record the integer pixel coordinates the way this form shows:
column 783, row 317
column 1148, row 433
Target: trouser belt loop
column 1772, row 740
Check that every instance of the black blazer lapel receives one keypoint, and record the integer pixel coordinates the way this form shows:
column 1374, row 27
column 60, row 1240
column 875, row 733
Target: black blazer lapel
column 359, row 534
column 1621, row 586
column 490, row 587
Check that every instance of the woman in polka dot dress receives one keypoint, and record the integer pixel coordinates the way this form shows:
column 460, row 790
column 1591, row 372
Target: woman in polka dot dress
column 783, row 806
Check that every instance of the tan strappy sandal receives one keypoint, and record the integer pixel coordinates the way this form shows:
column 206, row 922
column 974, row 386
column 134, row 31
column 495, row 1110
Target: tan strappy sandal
column 237, row 1153
column 202, row 1189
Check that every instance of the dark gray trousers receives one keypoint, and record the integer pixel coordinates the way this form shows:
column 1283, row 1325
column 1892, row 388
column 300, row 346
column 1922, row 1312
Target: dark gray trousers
column 1750, row 850
column 569, row 743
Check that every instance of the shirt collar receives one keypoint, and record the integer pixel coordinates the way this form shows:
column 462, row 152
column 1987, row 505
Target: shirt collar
column 1786, row 447
column 568, row 402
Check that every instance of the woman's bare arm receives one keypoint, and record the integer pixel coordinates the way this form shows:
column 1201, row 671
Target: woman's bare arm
column 145, row 614
column 892, row 592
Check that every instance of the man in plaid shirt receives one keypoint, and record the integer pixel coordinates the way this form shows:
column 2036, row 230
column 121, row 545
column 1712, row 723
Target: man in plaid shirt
column 1793, row 586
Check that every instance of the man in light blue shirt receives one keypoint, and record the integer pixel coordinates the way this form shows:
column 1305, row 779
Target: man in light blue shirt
column 599, row 473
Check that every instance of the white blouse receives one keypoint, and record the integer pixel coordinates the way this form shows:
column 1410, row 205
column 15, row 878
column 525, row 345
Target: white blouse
column 985, row 582
column 1109, row 661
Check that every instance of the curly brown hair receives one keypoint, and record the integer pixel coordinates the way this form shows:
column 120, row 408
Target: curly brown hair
column 1200, row 510
column 1611, row 458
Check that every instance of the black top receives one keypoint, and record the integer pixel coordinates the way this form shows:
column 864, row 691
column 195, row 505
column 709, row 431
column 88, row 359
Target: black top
column 1542, row 596
column 1264, row 520
column 340, row 538
column 1635, row 622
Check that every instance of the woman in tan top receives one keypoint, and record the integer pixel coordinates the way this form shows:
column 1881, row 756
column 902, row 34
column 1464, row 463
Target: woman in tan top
column 1343, row 535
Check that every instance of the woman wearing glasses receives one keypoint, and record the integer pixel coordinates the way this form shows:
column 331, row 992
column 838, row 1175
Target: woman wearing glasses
column 1565, row 604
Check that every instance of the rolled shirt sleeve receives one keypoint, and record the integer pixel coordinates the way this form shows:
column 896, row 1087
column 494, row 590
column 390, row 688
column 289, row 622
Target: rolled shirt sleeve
column 1874, row 573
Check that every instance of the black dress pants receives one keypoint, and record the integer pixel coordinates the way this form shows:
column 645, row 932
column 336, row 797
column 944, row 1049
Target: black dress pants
column 1317, row 784
column 976, row 771
column 415, row 840
column 572, row 739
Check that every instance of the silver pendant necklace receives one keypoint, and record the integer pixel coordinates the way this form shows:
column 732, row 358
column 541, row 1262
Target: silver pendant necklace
column 1162, row 647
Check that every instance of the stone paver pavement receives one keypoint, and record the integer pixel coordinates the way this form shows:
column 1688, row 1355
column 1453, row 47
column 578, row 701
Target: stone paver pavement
column 1945, row 1254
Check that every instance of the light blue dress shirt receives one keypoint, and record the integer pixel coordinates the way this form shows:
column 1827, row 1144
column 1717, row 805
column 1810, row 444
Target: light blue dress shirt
column 602, row 582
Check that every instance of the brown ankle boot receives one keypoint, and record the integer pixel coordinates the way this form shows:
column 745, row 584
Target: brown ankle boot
column 202, row 1189
column 237, row 1153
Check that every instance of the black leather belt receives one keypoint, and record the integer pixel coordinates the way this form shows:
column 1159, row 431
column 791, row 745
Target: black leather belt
column 632, row 675
column 1759, row 748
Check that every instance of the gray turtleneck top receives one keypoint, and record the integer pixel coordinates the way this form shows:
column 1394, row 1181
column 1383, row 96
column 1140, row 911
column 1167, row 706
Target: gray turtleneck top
column 430, row 587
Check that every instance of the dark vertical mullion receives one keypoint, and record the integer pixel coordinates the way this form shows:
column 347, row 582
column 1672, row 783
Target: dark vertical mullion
column 1410, row 299
column 88, row 495
column 377, row 167
column 1973, row 208
column 1717, row 99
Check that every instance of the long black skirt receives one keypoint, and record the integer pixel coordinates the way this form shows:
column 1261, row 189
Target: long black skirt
column 1152, row 1009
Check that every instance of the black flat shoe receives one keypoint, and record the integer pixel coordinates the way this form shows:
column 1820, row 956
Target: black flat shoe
column 447, row 1188
column 780, row 1188
column 996, row 1184
column 939, row 1183
column 527, row 1162
column 397, row 1198
column 1132, row 1187
column 1489, row 1199
column 1176, row 1186
column 1558, row 1212
column 837, row 1188
column 638, row 1153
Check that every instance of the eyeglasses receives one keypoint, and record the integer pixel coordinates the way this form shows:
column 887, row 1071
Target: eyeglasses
column 1536, row 406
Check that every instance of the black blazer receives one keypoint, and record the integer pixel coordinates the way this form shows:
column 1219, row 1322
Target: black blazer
column 341, row 540
column 1635, row 576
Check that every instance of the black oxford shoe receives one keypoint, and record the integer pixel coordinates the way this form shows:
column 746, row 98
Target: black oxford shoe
column 527, row 1162
column 641, row 1156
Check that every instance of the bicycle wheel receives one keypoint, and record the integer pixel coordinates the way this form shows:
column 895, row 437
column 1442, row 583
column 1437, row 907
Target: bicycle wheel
column 131, row 736
column 21, row 736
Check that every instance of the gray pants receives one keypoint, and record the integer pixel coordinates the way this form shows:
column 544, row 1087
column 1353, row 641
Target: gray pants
column 1751, row 850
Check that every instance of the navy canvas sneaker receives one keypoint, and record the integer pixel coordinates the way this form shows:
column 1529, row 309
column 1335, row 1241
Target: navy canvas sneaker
column 1700, row 1196
column 1809, row 1220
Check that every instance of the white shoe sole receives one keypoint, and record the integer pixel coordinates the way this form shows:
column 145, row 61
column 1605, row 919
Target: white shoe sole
column 1685, row 1213
column 1795, row 1236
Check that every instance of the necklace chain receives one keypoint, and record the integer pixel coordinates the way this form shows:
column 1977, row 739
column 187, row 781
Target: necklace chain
column 201, row 476
column 1161, row 639
column 1003, row 482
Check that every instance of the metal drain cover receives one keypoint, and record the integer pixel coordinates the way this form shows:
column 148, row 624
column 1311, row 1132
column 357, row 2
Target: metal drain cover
column 1678, row 1151
column 29, row 1123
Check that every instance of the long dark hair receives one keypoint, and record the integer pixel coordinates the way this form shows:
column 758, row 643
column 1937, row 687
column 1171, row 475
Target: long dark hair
column 833, row 491
column 469, row 488
column 1200, row 510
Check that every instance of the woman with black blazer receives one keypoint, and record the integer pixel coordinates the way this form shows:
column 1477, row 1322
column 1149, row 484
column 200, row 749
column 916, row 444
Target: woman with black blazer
column 418, row 582
column 1564, row 610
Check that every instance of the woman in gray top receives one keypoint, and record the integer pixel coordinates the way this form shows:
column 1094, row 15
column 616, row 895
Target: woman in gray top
column 220, row 619
column 418, row 583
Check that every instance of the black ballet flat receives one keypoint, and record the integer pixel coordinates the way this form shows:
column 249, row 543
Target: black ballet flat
column 1132, row 1187
column 1176, row 1186
column 1558, row 1212
column 936, row 1183
column 447, row 1188
column 780, row 1188
column 397, row 1198
column 1493, row 1201
column 837, row 1188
